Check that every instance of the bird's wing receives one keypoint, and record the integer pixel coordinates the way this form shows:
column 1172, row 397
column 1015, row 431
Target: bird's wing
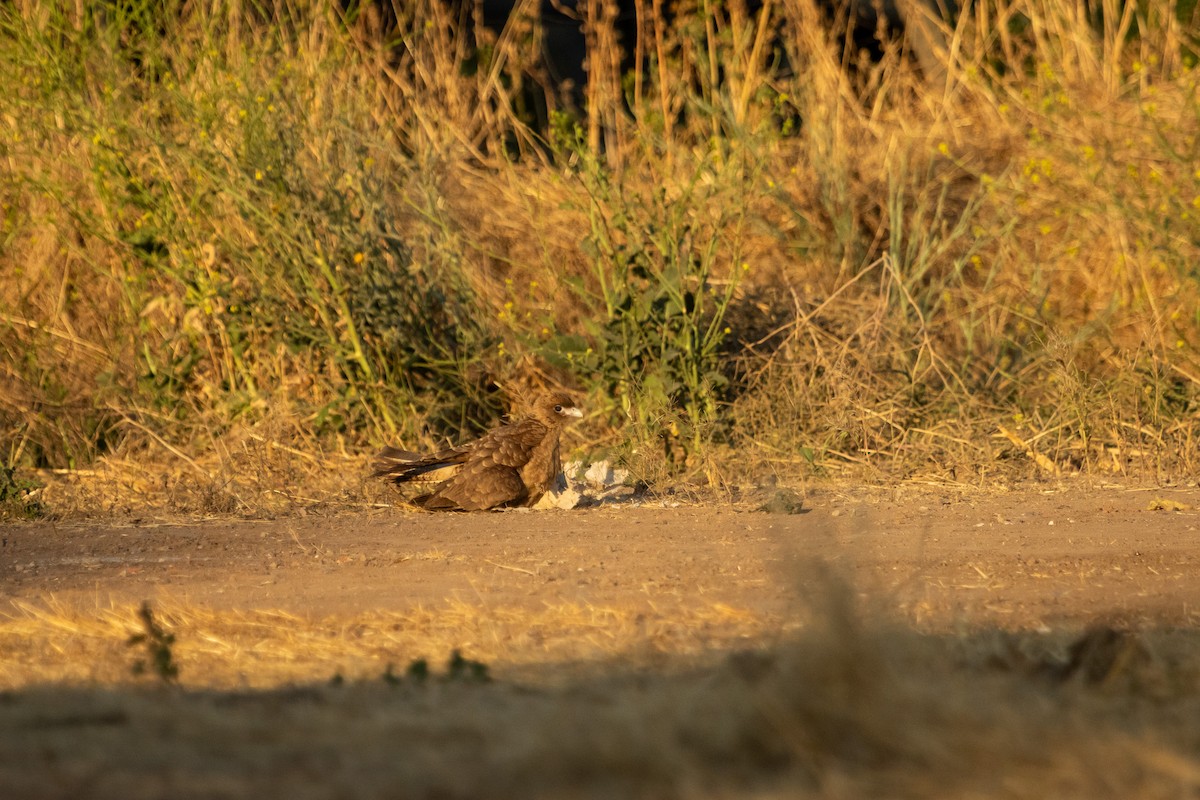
column 492, row 474
column 511, row 445
column 478, row 486
column 543, row 467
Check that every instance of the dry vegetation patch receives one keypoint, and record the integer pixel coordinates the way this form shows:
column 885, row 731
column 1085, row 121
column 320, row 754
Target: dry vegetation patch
column 48, row 642
column 845, row 707
column 317, row 233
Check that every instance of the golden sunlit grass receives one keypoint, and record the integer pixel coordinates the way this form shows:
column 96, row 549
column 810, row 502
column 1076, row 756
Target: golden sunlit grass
column 48, row 642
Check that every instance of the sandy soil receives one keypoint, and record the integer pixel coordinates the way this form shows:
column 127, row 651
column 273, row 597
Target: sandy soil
column 1025, row 559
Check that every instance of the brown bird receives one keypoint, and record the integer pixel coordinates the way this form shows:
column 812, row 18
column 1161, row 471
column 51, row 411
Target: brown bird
column 513, row 465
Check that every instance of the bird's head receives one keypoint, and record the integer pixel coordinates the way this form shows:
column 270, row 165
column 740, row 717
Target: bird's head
column 556, row 408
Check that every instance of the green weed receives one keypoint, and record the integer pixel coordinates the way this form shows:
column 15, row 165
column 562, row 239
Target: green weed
column 458, row 670
column 18, row 495
column 159, row 657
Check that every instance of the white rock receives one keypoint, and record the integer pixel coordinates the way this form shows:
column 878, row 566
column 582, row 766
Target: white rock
column 599, row 474
column 568, row 498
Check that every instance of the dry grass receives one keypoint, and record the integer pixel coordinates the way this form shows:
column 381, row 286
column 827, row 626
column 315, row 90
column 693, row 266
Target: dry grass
column 843, row 708
column 231, row 231
column 51, row 643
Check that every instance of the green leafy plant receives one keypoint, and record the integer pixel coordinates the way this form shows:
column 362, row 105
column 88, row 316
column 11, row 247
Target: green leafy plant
column 159, row 658
column 458, row 670
column 665, row 269
column 18, row 496
column 466, row 670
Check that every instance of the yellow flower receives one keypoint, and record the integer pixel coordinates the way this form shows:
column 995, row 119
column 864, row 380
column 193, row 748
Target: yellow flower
column 943, row 148
column 258, row 175
column 359, row 258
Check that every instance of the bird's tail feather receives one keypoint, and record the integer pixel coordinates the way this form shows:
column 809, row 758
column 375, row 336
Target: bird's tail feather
column 402, row 466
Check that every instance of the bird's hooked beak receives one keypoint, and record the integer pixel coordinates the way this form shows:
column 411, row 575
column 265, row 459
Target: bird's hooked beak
column 572, row 412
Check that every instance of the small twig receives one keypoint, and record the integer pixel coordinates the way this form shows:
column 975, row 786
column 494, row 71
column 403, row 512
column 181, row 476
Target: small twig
column 513, row 569
column 328, row 502
column 284, row 448
column 1039, row 459
column 69, row 337
column 163, row 442
column 1185, row 374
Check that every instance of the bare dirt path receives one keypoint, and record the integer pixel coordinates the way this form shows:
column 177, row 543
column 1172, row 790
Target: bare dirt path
column 1022, row 559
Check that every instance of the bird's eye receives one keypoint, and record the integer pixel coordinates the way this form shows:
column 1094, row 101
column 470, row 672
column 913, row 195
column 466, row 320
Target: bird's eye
column 558, row 409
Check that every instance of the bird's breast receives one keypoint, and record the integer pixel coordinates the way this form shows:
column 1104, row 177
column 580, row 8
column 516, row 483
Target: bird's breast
column 540, row 471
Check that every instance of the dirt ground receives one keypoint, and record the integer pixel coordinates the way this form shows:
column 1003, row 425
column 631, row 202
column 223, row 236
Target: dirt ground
column 617, row 588
column 1022, row 560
